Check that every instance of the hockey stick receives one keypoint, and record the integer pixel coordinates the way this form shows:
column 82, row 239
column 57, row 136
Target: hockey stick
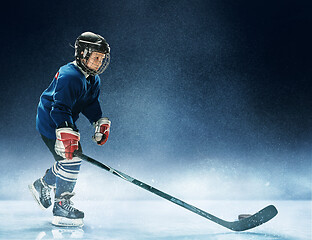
column 255, row 220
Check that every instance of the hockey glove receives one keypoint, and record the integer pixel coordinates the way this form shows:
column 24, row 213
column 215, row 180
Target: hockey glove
column 66, row 142
column 102, row 127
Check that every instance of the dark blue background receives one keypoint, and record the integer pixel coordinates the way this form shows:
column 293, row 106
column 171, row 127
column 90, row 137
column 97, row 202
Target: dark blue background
column 189, row 81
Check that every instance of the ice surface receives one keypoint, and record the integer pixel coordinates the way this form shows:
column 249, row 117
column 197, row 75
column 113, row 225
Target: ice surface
column 157, row 219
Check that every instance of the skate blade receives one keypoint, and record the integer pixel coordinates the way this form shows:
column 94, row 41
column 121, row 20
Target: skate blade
column 67, row 222
column 35, row 194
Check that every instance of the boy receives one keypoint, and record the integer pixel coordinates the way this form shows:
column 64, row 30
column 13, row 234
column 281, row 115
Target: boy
column 75, row 89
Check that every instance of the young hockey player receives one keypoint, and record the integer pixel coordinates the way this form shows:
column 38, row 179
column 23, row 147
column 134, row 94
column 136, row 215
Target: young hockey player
column 75, row 89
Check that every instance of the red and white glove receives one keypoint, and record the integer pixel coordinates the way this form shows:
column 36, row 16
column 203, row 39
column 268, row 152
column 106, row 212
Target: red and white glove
column 102, row 127
column 66, row 142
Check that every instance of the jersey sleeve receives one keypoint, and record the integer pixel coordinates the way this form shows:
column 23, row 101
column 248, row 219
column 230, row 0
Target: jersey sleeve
column 92, row 111
column 67, row 91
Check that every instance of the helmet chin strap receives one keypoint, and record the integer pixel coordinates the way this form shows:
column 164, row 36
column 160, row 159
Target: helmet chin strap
column 84, row 73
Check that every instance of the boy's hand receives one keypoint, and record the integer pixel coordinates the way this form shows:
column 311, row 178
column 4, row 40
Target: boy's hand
column 66, row 142
column 102, row 128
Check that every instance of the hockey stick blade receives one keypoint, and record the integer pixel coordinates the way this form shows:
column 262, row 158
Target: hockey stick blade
column 255, row 220
column 263, row 216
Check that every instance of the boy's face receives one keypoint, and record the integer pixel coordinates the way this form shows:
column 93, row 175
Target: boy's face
column 95, row 60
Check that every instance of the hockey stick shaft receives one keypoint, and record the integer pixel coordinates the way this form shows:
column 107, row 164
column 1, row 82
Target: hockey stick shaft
column 257, row 219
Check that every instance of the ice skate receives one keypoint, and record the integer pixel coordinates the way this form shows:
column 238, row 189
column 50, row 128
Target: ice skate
column 41, row 192
column 64, row 215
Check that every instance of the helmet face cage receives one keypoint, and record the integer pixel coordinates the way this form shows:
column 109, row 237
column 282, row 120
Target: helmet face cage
column 85, row 59
column 103, row 66
column 84, row 49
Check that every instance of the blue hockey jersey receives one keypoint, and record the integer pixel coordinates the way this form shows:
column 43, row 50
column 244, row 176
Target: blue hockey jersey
column 69, row 94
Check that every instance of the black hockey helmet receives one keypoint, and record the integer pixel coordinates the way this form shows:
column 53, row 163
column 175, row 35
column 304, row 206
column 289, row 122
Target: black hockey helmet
column 87, row 43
